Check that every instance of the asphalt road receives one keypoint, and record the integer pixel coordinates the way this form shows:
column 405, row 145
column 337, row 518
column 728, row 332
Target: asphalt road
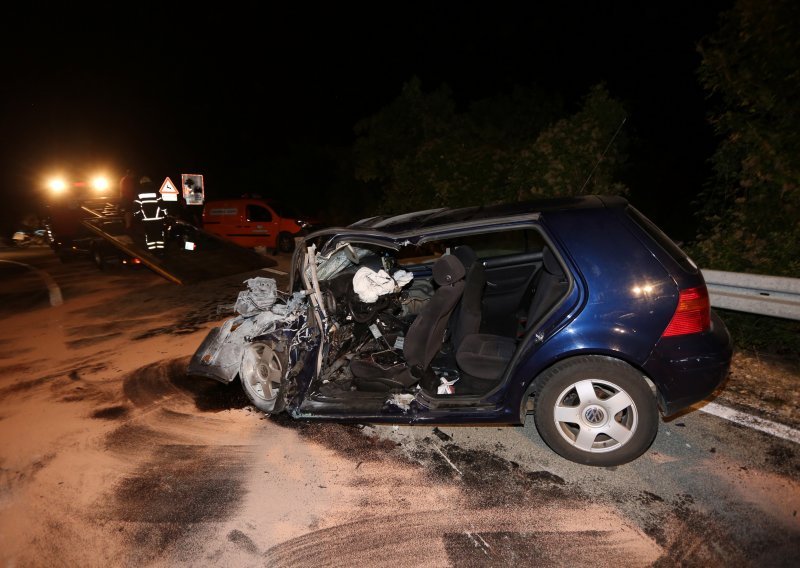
column 186, row 473
column 22, row 285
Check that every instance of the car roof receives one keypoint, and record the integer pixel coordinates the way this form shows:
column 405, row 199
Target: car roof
column 409, row 222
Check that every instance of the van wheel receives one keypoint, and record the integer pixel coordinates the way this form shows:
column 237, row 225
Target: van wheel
column 285, row 242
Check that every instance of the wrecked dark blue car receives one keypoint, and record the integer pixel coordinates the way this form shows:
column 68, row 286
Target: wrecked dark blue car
column 578, row 311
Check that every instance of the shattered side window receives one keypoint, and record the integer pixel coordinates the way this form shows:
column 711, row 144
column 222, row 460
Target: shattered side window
column 486, row 245
column 426, row 253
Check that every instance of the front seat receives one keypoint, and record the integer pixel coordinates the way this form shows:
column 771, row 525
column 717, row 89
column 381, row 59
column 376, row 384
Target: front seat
column 486, row 356
column 466, row 318
column 424, row 338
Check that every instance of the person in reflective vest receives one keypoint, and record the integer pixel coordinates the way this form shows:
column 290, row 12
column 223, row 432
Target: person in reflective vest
column 151, row 213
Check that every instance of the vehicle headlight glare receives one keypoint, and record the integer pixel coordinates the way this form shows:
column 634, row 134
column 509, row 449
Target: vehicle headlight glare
column 99, row 183
column 57, row 185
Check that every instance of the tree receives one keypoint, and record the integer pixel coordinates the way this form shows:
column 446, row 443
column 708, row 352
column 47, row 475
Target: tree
column 563, row 156
column 424, row 153
column 389, row 143
column 750, row 207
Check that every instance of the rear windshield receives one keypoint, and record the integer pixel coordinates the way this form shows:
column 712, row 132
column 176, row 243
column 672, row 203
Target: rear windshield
column 663, row 240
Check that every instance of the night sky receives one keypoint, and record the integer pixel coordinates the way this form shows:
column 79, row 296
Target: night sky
column 231, row 91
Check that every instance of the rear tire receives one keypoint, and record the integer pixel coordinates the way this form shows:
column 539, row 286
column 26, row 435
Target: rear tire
column 595, row 410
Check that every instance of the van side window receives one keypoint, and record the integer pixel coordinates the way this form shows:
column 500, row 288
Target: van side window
column 258, row 213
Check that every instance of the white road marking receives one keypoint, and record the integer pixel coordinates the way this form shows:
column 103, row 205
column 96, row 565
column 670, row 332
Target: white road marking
column 274, row 271
column 486, row 544
column 448, row 460
column 476, row 543
column 768, row 426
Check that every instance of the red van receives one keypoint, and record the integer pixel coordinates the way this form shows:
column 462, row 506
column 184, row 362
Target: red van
column 254, row 222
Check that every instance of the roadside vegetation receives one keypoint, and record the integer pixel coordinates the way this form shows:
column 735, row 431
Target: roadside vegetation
column 750, row 207
column 424, row 150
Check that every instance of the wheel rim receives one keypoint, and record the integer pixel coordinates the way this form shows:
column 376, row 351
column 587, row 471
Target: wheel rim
column 262, row 371
column 595, row 416
column 286, row 243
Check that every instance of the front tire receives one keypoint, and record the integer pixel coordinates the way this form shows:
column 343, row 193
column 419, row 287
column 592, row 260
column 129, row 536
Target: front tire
column 595, row 410
column 261, row 373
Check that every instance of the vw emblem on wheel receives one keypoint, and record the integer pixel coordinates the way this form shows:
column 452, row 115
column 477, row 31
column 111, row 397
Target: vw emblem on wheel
column 594, row 415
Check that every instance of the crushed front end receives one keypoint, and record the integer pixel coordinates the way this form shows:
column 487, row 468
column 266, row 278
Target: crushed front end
column 262, row 314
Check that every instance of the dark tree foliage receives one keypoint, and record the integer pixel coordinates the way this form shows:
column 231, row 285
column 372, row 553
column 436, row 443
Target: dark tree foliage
column 751, row 208
column 562, row 157
column 423, row 152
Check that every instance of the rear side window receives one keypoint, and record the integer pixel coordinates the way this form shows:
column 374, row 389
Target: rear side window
column 663, row 240
column 491, row 245
column 504, row 243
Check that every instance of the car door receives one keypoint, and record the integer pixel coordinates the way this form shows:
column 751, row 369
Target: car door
column 510, row 259
column 259, row 225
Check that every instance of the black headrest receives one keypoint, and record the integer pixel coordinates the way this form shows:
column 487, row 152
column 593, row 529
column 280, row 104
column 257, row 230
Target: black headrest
column 447, row 270
column 550, row 263
column 466, row 255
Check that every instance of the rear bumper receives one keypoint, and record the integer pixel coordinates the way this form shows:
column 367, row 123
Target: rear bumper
column 687, row 369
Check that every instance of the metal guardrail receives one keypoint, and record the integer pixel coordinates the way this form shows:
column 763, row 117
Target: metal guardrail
column 776, row 296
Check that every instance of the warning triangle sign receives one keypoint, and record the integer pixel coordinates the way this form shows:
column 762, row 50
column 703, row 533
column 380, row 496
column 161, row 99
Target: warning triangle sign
column 168, row 191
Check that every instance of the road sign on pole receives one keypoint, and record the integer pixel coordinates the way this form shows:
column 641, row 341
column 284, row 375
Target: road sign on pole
column 168, row 191
column 193, row 190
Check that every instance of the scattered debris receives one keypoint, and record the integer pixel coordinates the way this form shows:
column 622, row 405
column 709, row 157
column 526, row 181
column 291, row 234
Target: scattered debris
column 401, row 401
column 441, row 435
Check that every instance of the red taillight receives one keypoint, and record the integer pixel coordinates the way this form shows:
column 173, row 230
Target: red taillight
column 693, row 314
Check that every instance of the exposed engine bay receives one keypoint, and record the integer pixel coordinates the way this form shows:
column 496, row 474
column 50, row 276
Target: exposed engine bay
column 370, row 313
column 368, row 305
